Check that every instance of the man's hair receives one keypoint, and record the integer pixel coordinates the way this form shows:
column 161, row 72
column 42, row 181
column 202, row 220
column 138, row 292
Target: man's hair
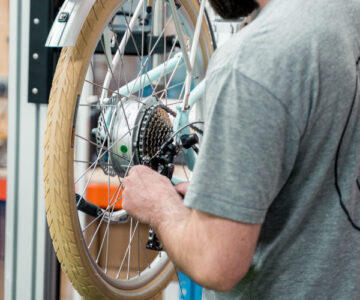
column 233, row 9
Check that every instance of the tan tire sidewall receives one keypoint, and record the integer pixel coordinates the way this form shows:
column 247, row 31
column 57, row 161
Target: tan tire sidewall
column 58, row 162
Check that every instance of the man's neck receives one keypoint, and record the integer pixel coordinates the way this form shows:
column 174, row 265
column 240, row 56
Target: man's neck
column 262, row 3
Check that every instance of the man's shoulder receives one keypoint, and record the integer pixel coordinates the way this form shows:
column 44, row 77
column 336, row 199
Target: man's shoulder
column 255, row 42
column 288, row 38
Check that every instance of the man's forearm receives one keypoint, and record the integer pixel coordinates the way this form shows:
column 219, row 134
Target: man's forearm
column 172, row 225
column 213, row 251
column 192, row 245
column 175, row 232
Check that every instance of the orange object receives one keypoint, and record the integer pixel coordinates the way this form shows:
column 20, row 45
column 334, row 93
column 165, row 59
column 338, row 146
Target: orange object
column 2, row 189
column 99, row 195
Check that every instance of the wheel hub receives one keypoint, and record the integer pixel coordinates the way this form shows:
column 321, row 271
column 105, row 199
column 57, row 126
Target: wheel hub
column 132, row 131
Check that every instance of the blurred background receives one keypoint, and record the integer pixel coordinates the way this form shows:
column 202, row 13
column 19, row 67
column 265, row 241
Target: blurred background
column 4, row 69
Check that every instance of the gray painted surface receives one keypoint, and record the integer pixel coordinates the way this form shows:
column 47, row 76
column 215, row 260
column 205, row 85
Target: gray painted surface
column 25, row 213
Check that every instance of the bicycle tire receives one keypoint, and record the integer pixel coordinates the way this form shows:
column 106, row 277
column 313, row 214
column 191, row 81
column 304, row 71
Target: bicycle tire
column 62, row 215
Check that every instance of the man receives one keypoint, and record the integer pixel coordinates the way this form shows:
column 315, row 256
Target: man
column 273, row 210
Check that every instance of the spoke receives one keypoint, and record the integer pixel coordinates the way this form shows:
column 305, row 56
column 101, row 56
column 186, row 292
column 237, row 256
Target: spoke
column 107, row 231
column 127, row 250
column 116, row 82
column 121, row 57
column 99, row 216
column 129, row 256
column 86, row 186
column 92, row 222
column 179, row 32
column 92, row 167
column 95, row 233
column 136, row 48
column 107, row 252
column 83, row 161
column 101, row 155
column 116, row 196
column 109, row 190
column 169, row 88
column 107, row 89
column 102, row 215
column 147, row 60
column 164, row 66
column 171, row 76
column 182, row 92
column 95, row 219
column 109, row 65
column 117, row 93
column 145, row 254
column 112, row 203
column 102, row 242
column 160, row 79
column 122, row 44
column 103, row 148
column 166, row 89
column 97, row 105
column 117, row 85
column 165, row 59
column 131, row 34
column 141, row 93
column 111, row 122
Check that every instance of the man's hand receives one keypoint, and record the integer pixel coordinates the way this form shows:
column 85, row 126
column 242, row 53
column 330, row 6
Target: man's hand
column 147, row 194
column 191, row 238
column 182, row 188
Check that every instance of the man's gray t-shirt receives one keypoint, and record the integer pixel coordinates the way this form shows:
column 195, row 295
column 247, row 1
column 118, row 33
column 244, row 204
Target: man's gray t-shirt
column 282, row 148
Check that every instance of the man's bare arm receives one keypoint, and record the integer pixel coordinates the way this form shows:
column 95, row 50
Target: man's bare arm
column 213, row 251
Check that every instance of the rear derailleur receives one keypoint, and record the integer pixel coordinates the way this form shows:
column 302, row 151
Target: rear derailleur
column 163, row 163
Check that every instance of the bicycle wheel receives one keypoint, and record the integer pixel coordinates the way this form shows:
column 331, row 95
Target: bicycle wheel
column 102, row 251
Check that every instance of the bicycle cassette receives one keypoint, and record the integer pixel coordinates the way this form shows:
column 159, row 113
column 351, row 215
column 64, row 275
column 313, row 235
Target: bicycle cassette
column 136, row 131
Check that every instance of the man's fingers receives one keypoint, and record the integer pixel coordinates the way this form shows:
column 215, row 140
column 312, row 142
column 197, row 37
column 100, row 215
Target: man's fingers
column 139, row 169
column 182, row 187
column 132, row 171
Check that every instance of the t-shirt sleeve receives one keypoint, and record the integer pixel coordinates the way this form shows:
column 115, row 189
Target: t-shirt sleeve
column 248, row 149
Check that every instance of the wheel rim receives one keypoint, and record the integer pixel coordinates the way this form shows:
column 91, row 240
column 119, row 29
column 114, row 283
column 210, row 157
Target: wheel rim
column 127, row 278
